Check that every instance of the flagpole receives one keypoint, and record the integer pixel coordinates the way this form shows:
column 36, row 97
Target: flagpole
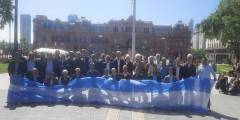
column 134, row 30
column 16, row 26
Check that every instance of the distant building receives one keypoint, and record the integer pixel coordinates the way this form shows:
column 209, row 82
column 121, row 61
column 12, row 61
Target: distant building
column 111, row 36
column 25, row 28
column 191, row 25
column 214, row 48
column 198, row 41
column 218, row 52
column 72, row 18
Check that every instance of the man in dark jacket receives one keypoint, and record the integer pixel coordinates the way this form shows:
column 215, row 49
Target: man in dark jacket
column 47, row 66
column 17, row 65
column 92, row 71
column 85, row 62
column 189, row 69
column 71, row 63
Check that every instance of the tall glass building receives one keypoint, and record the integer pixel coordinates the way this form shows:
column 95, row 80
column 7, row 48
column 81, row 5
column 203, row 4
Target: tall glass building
column 25, row 28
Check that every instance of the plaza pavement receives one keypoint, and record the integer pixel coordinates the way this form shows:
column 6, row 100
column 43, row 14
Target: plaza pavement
column 224, row 107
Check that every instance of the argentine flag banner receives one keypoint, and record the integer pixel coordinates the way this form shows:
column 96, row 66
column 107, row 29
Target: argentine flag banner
column 190, row 94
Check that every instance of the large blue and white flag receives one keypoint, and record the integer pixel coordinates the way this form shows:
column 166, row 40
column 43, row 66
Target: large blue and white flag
column 189, row 94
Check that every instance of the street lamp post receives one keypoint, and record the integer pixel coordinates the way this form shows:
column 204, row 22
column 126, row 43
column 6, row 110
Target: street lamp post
column 134, row 29
column 16, row 26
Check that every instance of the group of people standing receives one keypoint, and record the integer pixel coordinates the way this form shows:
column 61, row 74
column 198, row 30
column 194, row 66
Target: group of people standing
column 59, row 69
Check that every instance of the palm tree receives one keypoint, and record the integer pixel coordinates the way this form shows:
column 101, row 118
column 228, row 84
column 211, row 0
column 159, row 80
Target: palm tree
column 6, row 8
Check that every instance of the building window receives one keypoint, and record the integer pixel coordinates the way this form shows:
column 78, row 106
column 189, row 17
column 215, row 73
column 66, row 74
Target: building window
column 146, row 30
column 128, row 29
column 115, row 29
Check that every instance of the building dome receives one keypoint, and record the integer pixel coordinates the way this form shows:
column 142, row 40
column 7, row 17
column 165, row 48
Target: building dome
column 179, row 26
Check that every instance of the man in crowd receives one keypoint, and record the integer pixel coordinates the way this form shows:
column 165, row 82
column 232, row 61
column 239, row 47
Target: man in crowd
column 77, row 74
column 35, row 76
column 118, row 62
column 50, row 66
column 31, row 63
column 85, row 61
column 71, row 63
column 101, row 63
column 140, row 68
column 205, row 71
column 17, row 66
column 92, row 71
column 152, row 70
column 129, row 64
column 189, row 69
column 164, row 69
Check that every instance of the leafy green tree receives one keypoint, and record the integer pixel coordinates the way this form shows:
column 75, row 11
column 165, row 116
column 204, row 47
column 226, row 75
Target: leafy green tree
column 198, row 53
column 3, row 45
column 6, row 8
column 224, row 24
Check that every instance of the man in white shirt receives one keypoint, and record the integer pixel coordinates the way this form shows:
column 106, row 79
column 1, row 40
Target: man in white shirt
column 205, row 71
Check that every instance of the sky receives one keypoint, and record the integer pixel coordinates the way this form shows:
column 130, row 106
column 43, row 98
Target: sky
column 160, row 12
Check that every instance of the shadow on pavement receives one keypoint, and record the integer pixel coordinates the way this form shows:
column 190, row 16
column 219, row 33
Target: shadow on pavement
column 188, row 114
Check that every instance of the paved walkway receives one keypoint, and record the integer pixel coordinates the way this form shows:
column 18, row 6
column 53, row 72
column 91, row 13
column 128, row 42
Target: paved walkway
column 223, row 106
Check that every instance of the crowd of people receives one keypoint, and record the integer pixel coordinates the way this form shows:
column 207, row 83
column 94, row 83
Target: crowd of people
column 229, row 83
column 59, row 69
